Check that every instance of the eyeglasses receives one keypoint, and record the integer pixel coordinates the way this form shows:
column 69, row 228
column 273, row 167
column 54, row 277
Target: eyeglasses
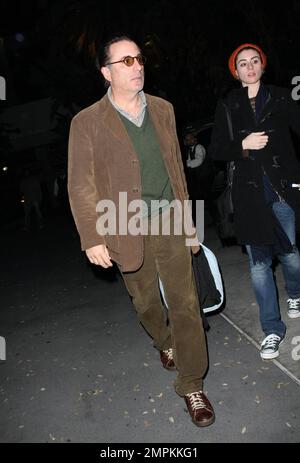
column 129, row 60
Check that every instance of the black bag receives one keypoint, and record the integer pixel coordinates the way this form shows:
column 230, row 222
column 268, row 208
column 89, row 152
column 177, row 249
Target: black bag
column 225, row 207
column 208, row 294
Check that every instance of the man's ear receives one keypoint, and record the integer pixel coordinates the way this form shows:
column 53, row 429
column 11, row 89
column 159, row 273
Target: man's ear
column 236, row 74
column 106, row 73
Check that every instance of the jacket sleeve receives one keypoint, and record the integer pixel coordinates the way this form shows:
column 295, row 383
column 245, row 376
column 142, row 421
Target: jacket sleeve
column 222, row 148
column 193, row 239
column 178, row 152
column 82, row 185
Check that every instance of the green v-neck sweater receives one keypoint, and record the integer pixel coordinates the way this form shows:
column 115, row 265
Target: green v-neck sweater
column 154, row 176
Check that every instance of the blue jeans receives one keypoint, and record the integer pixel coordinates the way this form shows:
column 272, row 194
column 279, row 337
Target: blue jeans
column 263, row 278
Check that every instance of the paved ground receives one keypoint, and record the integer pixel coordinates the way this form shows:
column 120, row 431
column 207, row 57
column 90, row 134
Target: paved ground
column 80, row 368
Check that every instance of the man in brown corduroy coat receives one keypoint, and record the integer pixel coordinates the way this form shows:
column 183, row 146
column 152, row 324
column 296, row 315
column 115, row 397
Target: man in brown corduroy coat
column 125, row 146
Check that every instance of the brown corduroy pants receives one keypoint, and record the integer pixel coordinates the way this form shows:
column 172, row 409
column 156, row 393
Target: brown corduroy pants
column 167, row 257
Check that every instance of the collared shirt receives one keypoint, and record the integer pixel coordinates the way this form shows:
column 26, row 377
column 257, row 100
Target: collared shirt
column 135, row 120
column 198, row 158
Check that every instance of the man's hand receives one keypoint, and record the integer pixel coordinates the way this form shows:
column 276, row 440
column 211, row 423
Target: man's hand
column 255, row 141
column 195, row 249
column 99, row 255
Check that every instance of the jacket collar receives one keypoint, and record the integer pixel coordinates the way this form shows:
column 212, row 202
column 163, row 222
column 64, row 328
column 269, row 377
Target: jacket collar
column 157, row 115
column 270, row 104
column 113, row 123
column 110, row 116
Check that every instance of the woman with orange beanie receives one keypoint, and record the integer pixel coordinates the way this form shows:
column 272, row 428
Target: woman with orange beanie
column 252, row 128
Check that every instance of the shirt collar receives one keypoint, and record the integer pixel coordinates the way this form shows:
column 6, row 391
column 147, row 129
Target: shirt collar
column 124, row 113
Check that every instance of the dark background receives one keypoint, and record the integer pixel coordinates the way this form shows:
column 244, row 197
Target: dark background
column 48, row 50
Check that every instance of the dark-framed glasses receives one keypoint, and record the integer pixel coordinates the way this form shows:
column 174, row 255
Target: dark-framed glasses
column 129, row 60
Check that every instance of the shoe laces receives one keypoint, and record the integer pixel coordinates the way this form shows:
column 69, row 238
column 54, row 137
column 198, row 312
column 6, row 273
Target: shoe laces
column 196, row 400
column 293, row 303
column 271, row 341
column 169, row 353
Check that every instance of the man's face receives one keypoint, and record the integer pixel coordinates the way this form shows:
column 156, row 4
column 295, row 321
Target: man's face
column 190, row 139
column 124, row 79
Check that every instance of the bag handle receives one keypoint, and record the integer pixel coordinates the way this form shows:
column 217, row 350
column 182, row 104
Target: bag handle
column 229, row 120
column 230, row 164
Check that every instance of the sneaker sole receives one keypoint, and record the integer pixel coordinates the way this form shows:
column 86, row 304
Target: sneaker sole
column 294, row 315
column 274, row 355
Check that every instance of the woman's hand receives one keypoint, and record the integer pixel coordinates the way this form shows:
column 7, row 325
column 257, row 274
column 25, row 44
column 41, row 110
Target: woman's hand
column 255, row 141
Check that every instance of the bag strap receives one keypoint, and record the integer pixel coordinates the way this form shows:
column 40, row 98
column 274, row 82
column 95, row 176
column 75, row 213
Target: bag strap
column 230, row 164
column 229, row 120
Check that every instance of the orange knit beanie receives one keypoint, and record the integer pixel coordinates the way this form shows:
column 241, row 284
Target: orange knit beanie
column 231, row 61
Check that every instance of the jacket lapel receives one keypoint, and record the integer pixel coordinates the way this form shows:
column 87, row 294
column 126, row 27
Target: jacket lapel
column 114, row 125
column 268, row 108
column 271, row 103
column 157, row 116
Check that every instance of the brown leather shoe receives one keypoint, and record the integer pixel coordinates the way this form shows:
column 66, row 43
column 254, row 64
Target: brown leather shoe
column 200, row 408
column 167, row 360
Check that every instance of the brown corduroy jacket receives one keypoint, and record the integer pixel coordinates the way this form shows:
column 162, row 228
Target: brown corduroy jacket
column 103, row 162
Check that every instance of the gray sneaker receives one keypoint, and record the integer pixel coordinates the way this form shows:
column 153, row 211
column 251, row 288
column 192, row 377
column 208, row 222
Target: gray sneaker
column 293, row 308
column 269, row 348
